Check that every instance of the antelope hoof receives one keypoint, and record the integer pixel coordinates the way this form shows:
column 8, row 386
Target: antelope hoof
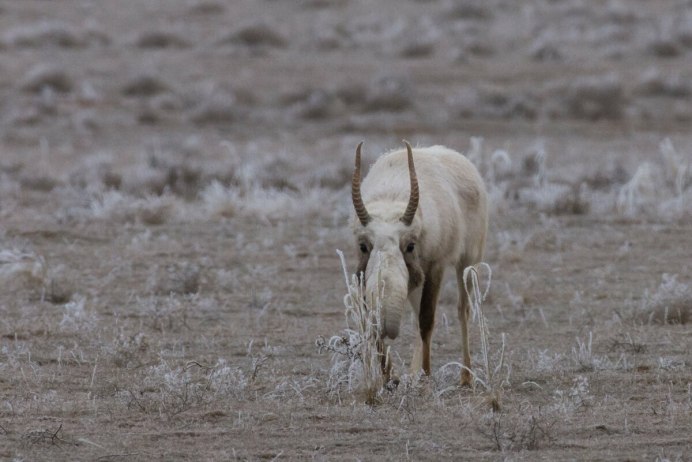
column 392, row 384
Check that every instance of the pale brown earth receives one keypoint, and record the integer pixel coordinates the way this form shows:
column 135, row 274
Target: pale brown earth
column 174, row 184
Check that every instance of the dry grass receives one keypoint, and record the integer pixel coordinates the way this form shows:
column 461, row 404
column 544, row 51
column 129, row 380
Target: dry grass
column 389, row 93
column 20, row 268
column 356, row 361
column 166, row 273
column 219, row 107
column 161, row 39
column 670, row 303
column 46, row 34
column 48, row 77
column 145, row 85
column 256, row 35
column 495, row 371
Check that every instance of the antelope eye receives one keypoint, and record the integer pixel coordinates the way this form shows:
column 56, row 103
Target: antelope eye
column 363, row 248
column 410, row 247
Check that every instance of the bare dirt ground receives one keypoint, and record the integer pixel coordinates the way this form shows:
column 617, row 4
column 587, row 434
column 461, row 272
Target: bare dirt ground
column 174, row 184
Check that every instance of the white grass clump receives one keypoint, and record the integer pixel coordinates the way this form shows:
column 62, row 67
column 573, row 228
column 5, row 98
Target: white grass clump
column 22, row 268
column 663, row 191
column 267, row 204
column 45, row 34
column 500, row 165
column 356, row 361
column 152, row 210
column 220, row 201
column 545, row 361
column 227, row 380
column 547, row 197
column 511, row 245
column 671, row 303
column 76, row 318
column 171, row 390
column 46, row 79
column 638, row 193
column 495, row 371
column 577, row 397
column 584, row 359
column 677, row 168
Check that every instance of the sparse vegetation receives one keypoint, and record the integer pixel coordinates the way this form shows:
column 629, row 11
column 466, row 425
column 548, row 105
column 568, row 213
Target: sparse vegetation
column 145, row 85
column 256, row 35
column 50, row 34
column 172, row 191
column 520, row 432
column 356, row 361
column 47, row 77
column 161, row 39
column 670, row 303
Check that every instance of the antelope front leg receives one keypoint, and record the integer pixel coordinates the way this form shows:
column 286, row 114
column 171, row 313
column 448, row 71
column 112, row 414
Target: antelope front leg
column 465, row 349
column 417, row 359
column 464, row 312
column 426, row 318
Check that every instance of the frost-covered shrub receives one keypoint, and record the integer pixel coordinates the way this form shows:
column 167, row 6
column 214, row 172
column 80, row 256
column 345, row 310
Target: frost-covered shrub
column 655, row 83
column 46, row 76
column 592, row 98
column 638, row 194
column 157, row 39
column 318, row 104
column 258, row 34
column 494, row 102
column 356, row 358
column 146, row 84
column 115, row 206
column 389, row 93
column 217, row 107
column 469, row 10
column 660, row 190
column 46, row 34
column 267, row 204
column 670, row 303
column 19, row 268
column 77, row 318
column 174, row 389
column 181, row 278
column 577, row 397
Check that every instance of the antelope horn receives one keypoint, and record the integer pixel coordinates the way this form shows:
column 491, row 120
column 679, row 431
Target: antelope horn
column 361, row 211
column 410, row 212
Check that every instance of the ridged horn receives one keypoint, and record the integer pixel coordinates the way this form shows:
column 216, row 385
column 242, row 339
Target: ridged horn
column 358, row 204
column 412, row 206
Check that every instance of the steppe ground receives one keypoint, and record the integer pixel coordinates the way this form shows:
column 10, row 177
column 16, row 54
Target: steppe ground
column 174, row 185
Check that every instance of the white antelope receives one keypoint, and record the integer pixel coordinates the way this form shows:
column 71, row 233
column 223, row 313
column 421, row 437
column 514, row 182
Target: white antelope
column 410, row 223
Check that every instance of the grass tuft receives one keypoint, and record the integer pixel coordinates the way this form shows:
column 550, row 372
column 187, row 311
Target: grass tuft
column 20, row 269
column 524, row 431
column 256, row 35
column 45, row 34
column 637, row 193
column 146, row 84
column 670, row 303
column 494, row 375
column 45, row 76
column 160, row 39
column 356, row 361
